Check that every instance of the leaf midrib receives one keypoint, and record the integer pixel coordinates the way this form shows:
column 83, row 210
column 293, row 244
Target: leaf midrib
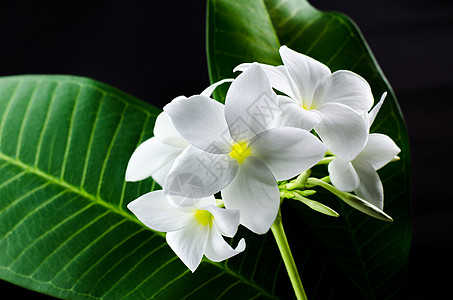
column 69, row 187
column 98, row 200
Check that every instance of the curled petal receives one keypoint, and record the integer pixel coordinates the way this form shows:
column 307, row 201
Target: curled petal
column 155, row 211
column 226, row 220
column 254, row 192
column 343, row 175
column 279, row 77
column 210, row 89
column 287, row 151
column 379, row 150
column 370, row 187
column 293, row 115
column 250, row 105
column 342, row 129
column 189, row 244
column 344, row 87
column 305, row 71
column 196, row 173
column 217, row 249
column 201, row 121
column 151, row 158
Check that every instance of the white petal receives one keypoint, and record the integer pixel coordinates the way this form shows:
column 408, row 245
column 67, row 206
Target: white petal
column 342, row 129
column 166, row 133
column 149, row 158
column 254, row 192
column 287, row 151
column 379, row 150
column 279, row 77
column 155, row 211
column 370, row 187
column 293, row 115
column 161, row 174
column 305, row 71
column 344, row 87
column 226, row 220
column 210, row 89
column 373, row 113
column 197, row 174
column 189, row 244
column 201, row 121
column 217, row 249
column 250, row 105
column 343, row 175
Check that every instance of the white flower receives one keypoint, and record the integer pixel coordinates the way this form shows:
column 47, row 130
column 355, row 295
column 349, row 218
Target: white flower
column 191, row 230
column 359, row 174
column 234, row 150
column 155, row 156
column 331, row 103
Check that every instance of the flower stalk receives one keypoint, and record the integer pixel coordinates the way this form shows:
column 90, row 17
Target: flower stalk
column 285, row 251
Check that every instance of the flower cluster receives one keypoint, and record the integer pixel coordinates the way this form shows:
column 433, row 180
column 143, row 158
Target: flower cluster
column 257, row 149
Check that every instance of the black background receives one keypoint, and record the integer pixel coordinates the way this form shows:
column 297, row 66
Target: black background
column 156, row 51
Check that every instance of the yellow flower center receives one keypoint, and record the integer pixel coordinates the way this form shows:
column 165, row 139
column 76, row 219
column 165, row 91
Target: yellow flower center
column 305, row 106
column 204, row 217
column 240, row 151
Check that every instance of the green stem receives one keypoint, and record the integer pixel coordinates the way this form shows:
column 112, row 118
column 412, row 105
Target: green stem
column 285, row 251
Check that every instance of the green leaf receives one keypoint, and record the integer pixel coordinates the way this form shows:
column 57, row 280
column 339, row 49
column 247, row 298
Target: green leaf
column 353, row 256
column 65, row 229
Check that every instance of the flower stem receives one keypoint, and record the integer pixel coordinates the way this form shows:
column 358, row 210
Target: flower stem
column 285, row 251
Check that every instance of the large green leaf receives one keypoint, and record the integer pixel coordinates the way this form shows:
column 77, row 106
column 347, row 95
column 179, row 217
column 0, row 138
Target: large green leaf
column 65, row 229
column 354, row 255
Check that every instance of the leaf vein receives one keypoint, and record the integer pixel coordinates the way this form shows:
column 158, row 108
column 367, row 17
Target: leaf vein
column 69, row 139
column 8, row 107
column 25, row 119
column 95, row 285
column 54, row 251
column 30, row 213
column 109, row 150
column 90, row 141
column 46, row 123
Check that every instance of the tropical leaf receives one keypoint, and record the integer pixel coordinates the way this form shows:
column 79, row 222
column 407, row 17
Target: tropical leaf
column 65, row 229
column 369, row 256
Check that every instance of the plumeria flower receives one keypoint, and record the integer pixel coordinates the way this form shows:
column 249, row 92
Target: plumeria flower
column 331, row 103
column 155, row 156
column 234, row 150
column 192, row 231
column 359, row 174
